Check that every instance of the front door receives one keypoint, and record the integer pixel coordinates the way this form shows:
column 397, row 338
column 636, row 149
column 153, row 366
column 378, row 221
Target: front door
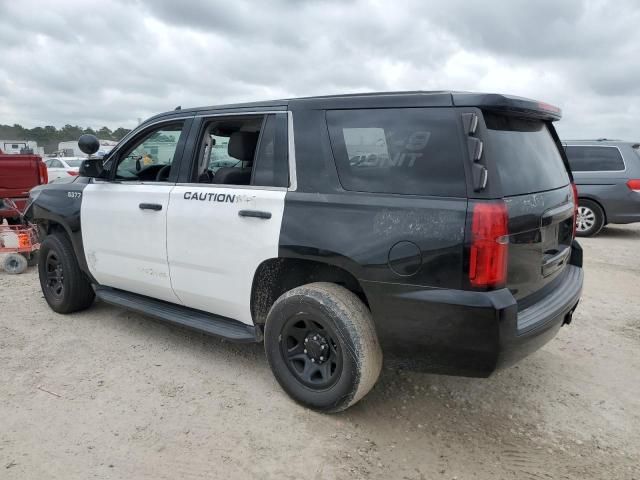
column 224, row 221
column 124, row 219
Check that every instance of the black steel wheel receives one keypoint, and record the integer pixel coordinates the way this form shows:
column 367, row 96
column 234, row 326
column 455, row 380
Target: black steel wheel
column 54, row 282
column 312, row 351
column 65, row 287
column 322, row 346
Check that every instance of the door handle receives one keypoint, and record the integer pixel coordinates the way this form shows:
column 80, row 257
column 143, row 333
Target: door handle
column 255, row 214
column 150, row 206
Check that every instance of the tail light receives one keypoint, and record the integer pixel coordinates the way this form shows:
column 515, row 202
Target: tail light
column 574, row 189
column 489, row 245
column 634, row 185
column 42, row 173
column 72, row 173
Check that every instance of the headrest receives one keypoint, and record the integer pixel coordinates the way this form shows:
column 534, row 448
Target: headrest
column 242, row 145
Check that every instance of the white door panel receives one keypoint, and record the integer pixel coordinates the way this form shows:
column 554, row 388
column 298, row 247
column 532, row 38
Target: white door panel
column 126, row 246
column 213, row 252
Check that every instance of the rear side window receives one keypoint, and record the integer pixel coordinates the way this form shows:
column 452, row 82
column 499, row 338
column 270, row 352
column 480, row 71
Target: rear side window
column 594, row 159
column 414, row 151
column 525, row 154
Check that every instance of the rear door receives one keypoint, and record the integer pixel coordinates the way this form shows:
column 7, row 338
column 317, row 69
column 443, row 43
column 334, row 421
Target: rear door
column 536, row 186
column 224, row 220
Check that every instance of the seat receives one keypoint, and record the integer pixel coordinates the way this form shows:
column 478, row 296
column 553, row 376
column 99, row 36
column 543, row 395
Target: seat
column 242, row 146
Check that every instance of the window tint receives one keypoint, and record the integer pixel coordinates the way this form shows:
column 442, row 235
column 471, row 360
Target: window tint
column 272, row 168
column 594, row 159
column 413, row 151
column 525, row 154
column 147, row 156
column 56, row 164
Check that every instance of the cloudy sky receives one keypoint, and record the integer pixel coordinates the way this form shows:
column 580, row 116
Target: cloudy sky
column 110, row 62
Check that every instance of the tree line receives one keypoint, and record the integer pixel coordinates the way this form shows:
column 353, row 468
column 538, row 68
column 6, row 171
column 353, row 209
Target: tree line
column 49, row 136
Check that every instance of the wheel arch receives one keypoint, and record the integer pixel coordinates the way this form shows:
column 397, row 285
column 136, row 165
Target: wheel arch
column 275, row 276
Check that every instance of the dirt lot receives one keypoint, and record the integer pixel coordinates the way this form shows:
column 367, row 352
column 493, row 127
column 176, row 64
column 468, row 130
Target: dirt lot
column 110, row 394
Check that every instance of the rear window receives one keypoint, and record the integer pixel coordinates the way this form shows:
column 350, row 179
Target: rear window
column 525, row 155
column 594, row 159
column 413, row 151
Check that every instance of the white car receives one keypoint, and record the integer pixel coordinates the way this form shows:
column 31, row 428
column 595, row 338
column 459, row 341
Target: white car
column 62, row 167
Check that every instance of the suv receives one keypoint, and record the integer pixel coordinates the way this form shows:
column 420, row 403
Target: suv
column 436, row 227
column 607, row 174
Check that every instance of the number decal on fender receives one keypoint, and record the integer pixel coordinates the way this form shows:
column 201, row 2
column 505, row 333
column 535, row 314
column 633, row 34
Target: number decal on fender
column 74, row 194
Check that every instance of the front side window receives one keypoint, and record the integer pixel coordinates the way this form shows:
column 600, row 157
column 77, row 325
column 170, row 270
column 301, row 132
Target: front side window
column 150, row 158
column 594, row 159
column 412, row 151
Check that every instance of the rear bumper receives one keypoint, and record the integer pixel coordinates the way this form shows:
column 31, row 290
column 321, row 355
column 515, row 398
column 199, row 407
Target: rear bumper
column 467, row 333
column 21, row 203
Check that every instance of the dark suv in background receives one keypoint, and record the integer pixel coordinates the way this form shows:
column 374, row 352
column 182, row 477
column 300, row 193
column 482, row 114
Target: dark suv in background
column 607, row 174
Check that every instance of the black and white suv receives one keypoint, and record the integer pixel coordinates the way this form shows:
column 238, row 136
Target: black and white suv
column 434, row 227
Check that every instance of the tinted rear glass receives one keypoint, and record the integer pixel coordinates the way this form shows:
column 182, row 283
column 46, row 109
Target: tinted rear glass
column 594, row 159
column 525, row 155
column 413, row 151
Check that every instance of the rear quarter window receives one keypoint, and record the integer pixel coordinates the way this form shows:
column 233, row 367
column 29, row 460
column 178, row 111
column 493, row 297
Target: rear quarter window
column 525, row 154
column 414, row 151
column 594, row 158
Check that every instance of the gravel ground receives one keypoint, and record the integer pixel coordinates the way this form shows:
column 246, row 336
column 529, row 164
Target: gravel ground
column 110, row 394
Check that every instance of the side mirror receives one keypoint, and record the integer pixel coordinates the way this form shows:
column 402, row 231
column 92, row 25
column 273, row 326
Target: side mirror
column 88, row 144
column 91, row 167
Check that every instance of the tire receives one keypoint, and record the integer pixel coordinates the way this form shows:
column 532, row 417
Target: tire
column 32, row 258
column 331, row 319
column 65, row 287
column 590, row 218
column 14, row 264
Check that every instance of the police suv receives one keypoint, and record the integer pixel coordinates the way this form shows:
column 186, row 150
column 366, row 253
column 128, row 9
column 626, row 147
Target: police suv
column 436, row 228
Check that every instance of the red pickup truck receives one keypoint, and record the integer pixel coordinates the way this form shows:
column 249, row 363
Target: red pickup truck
column 19, row 174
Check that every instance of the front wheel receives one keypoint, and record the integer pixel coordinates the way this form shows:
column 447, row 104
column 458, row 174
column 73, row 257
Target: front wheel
column 65, row 287
column 590, row 218
column 322, row 346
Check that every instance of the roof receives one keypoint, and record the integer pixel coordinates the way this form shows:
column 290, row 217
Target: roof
column 490, row 101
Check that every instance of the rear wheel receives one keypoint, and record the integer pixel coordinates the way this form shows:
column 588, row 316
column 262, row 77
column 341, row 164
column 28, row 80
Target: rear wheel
column 65, row 287
column 322, row 346
column 590, row 218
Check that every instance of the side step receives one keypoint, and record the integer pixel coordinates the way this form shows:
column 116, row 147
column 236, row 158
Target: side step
column 187, row 317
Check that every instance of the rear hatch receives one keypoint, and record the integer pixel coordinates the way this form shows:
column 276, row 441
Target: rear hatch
column 537, row 191
column 18, row 175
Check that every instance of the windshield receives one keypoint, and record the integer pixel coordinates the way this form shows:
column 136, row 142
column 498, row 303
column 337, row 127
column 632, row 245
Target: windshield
column 525, row 154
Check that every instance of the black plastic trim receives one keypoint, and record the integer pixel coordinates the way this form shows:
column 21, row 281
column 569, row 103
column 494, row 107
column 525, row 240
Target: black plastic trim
column 204, row 322
column 556, row 303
